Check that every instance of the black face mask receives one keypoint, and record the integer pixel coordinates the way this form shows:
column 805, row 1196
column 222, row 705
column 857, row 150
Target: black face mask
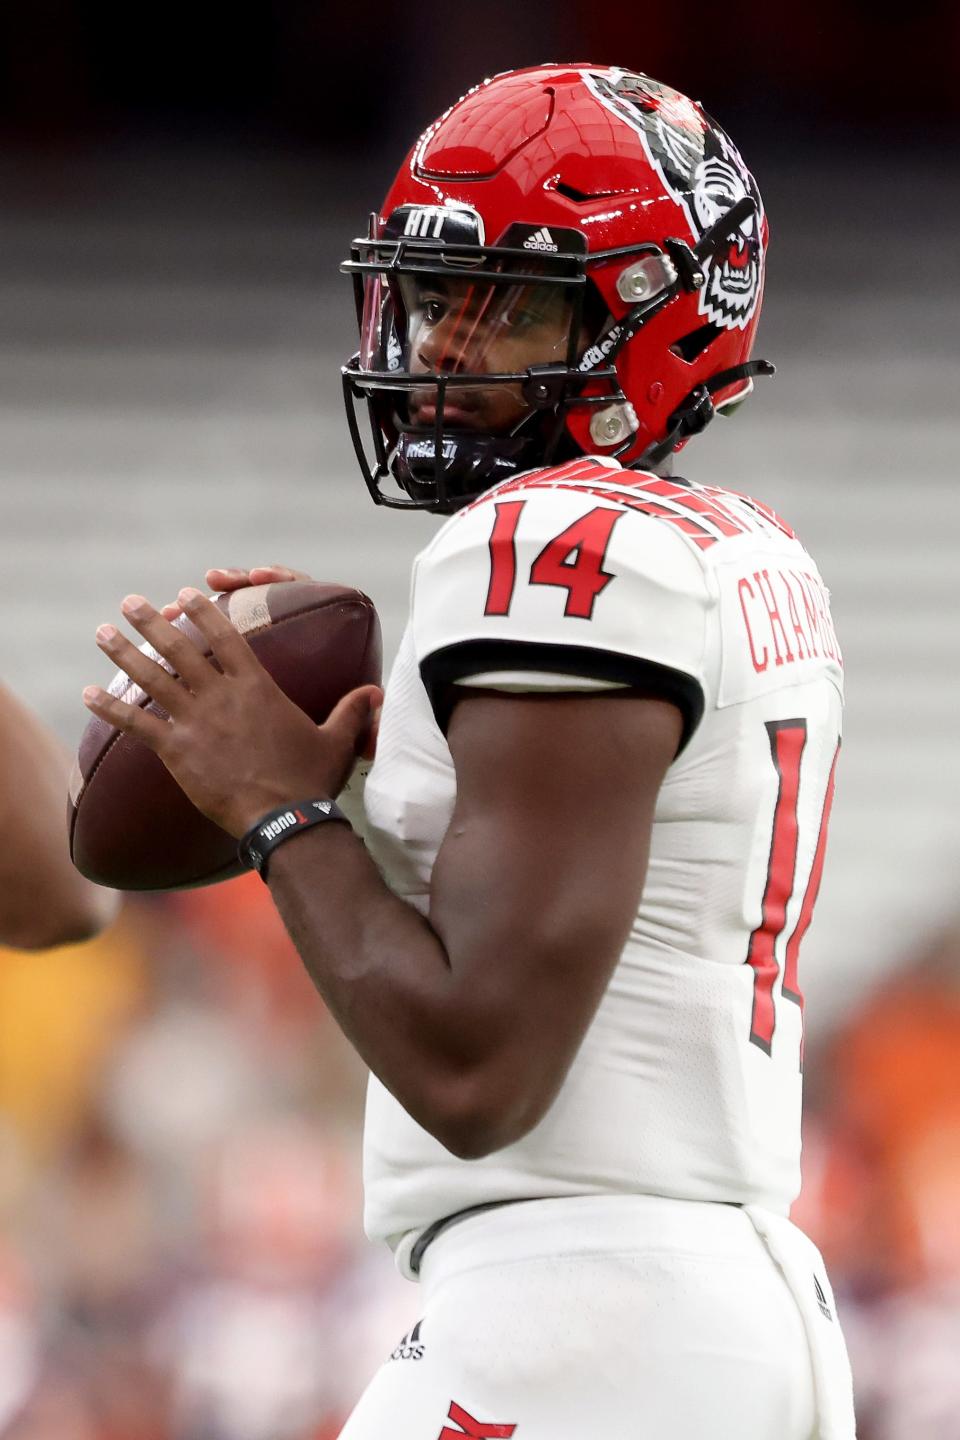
column 448, row 327
column 468, row 354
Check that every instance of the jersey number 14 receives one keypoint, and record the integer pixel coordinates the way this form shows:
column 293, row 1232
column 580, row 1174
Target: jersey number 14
column 572, row 560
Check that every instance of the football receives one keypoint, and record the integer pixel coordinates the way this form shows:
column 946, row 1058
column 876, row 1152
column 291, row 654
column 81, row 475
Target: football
column 130, row 825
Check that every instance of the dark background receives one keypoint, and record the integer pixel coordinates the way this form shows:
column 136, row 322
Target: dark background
column 340, row 77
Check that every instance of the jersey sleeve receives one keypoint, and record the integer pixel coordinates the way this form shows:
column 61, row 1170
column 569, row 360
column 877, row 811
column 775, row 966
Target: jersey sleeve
column 559, row 591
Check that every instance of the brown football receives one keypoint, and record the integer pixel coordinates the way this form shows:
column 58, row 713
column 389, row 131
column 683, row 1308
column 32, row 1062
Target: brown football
column 131, row 826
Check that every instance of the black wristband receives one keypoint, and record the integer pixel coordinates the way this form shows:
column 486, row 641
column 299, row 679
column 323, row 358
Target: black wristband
column 279, row 825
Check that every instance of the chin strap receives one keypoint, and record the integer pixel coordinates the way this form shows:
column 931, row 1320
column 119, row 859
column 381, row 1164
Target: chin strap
column 696, row 411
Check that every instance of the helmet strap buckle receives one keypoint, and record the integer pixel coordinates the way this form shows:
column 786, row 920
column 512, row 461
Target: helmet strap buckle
column 697, row 411
column 689, row 269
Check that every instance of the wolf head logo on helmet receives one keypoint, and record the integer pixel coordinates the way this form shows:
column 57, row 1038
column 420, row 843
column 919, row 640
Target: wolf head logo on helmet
column 705, row 174
column 569, row 261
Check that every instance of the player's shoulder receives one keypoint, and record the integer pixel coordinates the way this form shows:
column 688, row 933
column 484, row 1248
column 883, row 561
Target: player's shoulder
column 667, row 520
column 555, row 580
column 562, row 556
column 588, row 505
column 540, row 493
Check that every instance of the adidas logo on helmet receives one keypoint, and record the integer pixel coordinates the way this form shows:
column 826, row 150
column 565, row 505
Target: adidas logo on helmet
column 541, row 240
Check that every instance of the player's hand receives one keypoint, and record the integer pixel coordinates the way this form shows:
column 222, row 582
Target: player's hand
column 234, row 743
column 233, row 578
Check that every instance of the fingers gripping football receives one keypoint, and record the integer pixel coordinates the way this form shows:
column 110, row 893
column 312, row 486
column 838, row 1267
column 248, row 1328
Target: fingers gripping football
column 186, row 676
column 354, row 722
column 232, row 577
column 258, row 575
column 196, row 695
column 166, row 642
column 233, row 741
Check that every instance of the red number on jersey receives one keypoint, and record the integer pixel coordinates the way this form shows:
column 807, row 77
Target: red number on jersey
column 787, row 741
column 573, row 559
column 503, row 557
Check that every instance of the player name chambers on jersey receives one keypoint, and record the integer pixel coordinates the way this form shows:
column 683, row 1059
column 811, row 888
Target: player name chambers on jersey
column 786, row 614
column 688, row 1081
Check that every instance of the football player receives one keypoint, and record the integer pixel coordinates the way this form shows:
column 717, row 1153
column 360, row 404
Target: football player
column 596, row 821
column 44, row 901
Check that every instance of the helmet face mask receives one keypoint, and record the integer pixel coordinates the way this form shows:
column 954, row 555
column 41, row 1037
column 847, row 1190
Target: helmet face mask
column 478, row 360
column 467, row 354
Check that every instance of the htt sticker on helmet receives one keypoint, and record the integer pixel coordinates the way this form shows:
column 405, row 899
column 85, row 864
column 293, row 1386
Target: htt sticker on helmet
column 453, row 224
column 701, row 170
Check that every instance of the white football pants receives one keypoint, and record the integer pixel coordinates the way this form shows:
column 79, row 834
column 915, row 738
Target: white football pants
column 617, row 1318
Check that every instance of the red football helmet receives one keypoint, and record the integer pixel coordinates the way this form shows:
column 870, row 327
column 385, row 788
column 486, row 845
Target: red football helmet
column 570, row 261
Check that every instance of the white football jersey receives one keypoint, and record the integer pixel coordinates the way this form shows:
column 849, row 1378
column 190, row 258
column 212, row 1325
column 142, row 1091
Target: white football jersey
column 581, row 577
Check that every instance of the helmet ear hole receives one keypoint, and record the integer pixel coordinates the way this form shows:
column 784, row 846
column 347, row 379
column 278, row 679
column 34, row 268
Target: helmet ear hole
column 690, row 346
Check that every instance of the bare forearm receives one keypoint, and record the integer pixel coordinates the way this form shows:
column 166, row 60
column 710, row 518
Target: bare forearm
column 381, row 968
column 365, row 949
column 431, row 1004
column 43, row 899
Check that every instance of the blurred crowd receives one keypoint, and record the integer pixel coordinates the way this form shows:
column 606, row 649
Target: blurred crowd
column 180, row 1247
column 881, row 1193
column 181, row 1254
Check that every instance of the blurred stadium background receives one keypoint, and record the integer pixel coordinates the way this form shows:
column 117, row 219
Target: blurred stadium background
column 180, row 1246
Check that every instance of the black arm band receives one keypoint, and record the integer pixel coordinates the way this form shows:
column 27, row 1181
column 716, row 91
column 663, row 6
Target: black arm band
column 279, row 825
